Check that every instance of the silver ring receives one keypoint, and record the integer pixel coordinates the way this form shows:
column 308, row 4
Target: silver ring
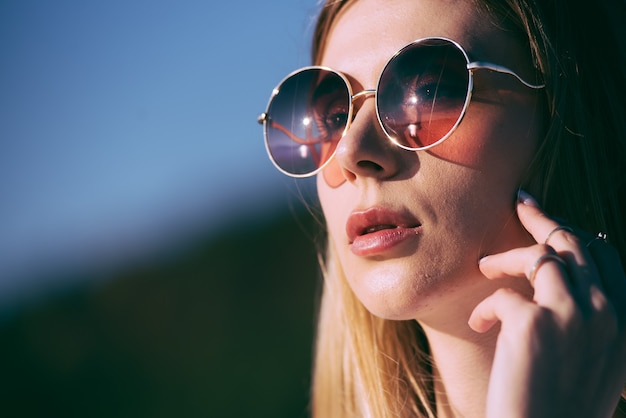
column 539, row 262
column 558, row 228
column 600, row 236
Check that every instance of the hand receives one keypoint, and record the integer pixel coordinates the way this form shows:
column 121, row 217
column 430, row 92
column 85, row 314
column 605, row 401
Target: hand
column 563, row 353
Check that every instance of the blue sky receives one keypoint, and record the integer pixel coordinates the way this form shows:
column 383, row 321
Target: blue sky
column 125, row 125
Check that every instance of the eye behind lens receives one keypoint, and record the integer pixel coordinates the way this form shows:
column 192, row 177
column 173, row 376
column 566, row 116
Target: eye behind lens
column 306, row 117
column 422, row 93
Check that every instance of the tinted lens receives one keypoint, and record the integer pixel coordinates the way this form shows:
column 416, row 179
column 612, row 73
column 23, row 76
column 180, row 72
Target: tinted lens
column 305, row 119
column 422, row 93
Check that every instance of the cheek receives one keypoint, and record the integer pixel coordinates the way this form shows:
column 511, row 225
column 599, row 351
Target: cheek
column 494, row 137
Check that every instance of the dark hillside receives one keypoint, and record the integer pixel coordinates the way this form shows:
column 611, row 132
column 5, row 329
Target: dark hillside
column 222, row 330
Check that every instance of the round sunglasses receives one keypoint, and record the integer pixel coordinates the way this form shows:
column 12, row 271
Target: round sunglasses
column 421, row 97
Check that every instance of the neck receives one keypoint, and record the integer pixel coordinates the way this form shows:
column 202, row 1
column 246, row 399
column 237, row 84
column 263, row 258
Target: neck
column 462, row 358
column 461, row 368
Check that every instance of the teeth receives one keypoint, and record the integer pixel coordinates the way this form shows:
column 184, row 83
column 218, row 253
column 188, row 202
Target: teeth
column 375, row 228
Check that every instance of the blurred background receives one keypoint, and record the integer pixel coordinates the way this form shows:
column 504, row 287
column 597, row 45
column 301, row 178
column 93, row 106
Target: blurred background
column 153, row 262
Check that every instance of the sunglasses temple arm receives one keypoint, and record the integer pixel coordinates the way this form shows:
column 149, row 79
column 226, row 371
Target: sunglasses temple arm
column 500, row 69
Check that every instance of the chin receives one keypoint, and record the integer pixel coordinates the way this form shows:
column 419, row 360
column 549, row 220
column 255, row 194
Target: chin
column 403, row 291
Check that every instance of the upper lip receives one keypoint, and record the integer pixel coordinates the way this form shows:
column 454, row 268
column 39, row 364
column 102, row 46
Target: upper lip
column 361, row 222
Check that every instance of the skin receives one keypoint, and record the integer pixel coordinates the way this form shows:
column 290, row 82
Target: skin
column 482, row 161
column 565, row 348
column 463, row 193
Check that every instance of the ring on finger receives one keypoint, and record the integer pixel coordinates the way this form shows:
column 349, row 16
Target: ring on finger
column 540, row 261
column 601, row 236
column 558, row 228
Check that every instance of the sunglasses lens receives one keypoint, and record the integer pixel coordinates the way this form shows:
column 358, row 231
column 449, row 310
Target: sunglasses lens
column 422, row 93
column 306, row 117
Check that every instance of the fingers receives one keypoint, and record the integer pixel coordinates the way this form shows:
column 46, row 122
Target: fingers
column 501, row 305
column 536, row 222
column 535, row 264
column 570, row 333
column 583, row 254
column 563, row 239
column 569, row 269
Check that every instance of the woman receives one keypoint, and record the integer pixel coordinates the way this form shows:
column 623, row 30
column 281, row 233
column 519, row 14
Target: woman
column 449, row 290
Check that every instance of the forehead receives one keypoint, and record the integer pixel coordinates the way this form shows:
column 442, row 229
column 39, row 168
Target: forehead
column 368, row 32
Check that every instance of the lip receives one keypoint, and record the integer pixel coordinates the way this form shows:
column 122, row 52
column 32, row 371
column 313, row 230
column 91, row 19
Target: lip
column 377, row 230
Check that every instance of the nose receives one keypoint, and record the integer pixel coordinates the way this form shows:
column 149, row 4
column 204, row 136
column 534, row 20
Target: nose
column 365, row 151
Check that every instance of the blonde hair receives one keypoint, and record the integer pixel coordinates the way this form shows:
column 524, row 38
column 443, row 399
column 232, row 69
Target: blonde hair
column 366, row 366
column 370, row 367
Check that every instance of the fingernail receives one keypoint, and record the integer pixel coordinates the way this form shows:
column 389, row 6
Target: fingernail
column 485, row 258
column 525, row 198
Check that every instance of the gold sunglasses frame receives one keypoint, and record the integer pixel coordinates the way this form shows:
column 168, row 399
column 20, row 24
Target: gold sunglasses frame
column 471, row 66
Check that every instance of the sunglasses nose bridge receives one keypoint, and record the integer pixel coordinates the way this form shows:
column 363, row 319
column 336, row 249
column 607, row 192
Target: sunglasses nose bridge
column 363, row 93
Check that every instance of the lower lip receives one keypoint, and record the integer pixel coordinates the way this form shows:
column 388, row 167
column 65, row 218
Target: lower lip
column 382, row 241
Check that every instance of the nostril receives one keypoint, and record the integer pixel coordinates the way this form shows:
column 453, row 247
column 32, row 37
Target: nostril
column 370, row 166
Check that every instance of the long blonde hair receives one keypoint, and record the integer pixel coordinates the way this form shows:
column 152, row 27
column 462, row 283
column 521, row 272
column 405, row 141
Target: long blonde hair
column 370, row 367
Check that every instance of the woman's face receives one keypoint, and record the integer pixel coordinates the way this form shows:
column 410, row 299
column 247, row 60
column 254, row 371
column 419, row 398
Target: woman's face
column 409, row 227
